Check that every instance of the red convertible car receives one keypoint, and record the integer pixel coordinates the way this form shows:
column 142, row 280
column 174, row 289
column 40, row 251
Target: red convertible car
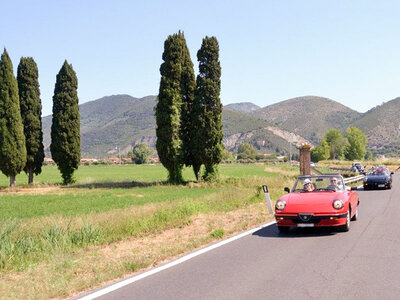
column 317, row 201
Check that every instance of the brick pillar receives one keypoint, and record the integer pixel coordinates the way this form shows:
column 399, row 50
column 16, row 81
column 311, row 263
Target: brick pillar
column 305, row 159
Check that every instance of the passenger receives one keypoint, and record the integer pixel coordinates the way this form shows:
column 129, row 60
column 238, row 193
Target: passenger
column 308, row 185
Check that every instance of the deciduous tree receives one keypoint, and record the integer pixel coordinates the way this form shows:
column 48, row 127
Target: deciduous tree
column 336, row 142
column 321, row 152
column 357, row 143
column 247, row 151
column 140, row 153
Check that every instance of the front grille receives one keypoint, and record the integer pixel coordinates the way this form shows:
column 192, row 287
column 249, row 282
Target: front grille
column 312, row 220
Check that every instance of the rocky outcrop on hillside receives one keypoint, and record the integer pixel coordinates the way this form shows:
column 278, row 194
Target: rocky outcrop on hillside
column 291, row 137
column 233, row 141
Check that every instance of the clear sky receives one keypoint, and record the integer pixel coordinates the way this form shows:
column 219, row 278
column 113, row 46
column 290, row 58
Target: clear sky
column 270, row 51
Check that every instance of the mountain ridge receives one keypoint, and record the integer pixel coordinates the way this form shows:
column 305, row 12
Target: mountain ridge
column 121, row 121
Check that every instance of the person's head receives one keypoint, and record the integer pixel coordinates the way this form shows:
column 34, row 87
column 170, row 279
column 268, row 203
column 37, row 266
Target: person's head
column 334, row 181
column 307, row 184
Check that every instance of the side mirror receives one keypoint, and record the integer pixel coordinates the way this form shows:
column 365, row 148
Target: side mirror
column 286, row 189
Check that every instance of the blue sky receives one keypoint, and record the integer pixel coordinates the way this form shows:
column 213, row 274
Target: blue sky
column 270, row 51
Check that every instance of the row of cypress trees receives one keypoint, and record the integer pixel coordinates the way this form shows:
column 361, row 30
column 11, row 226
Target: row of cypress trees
column 21, row 136
column 188, row 111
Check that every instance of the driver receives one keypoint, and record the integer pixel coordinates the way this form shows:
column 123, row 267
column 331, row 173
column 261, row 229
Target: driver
column 307, row 185
column 334, row 186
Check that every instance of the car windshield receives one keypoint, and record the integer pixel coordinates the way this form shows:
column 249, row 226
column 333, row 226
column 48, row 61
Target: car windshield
column 319, row 183
column 378, row 171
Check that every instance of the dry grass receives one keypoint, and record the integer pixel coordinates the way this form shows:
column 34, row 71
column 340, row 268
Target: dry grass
column 34, row 190
column 67, row 275
column 392, row 164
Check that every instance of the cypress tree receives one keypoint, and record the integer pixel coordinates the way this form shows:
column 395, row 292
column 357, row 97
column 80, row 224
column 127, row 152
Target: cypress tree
column 188, row 129
column 31, row 110
column 12, row 139
column 207, row 143
column 168, row 109
column 65, row 129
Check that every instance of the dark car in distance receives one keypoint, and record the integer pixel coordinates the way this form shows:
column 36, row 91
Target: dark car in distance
column 357, row 167
column 378, row 177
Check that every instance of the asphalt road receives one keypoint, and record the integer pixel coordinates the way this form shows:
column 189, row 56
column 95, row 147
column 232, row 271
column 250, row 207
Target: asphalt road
column 363, row 263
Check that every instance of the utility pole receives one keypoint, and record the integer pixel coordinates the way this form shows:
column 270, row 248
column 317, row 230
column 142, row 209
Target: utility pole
column 119, row 154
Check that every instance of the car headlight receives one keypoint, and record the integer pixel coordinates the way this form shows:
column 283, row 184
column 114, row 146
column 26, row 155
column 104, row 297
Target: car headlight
column 337, row 204
column 280, row 205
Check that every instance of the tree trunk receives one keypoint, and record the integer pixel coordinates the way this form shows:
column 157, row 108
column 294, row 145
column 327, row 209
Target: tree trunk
column 30, row 176
column 13, row 182
column 196, row 170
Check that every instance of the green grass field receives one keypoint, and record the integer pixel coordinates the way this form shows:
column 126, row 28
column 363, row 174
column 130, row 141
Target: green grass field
column 103, row 188
column 131, row 173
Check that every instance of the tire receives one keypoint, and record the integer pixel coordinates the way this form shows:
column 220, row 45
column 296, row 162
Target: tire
column 283, row 229
column 355, row 217
column 365, row 188
column 346, row 227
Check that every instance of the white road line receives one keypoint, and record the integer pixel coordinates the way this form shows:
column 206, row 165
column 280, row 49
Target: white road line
column 125, row 282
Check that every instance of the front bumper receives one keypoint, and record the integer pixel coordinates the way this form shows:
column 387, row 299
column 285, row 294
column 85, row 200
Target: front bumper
column 310, row 220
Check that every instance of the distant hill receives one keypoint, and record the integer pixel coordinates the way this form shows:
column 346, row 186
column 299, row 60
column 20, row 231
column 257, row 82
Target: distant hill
column 244, row 107
column 122, row 121
column 308, row 116
column 382, row 127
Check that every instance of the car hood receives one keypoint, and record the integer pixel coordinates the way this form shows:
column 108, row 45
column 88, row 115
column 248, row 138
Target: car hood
column 376, row 178
column 312, row 202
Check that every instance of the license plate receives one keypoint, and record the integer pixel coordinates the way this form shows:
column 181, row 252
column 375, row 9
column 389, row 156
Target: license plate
column 305, row 225
column 381, row 185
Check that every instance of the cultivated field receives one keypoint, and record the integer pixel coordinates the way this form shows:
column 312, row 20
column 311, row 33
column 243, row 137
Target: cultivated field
column 57, row 241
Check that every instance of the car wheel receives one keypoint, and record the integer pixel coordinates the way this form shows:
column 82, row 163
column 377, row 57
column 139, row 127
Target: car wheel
column 365, row 188
column 390, row 186
column 355, row 217
column 283, row 229
column 346, row 227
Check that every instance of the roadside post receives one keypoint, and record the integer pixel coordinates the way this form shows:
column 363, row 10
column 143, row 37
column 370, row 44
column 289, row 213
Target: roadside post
column 268, row 198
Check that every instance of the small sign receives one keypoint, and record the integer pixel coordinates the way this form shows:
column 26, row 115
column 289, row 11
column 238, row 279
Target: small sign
column 267, row 198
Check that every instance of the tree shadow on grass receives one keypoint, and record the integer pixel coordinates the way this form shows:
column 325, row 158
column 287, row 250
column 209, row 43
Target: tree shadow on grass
column 116, row 185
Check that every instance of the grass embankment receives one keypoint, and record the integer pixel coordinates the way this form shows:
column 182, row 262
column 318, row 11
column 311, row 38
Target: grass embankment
column 56, row 241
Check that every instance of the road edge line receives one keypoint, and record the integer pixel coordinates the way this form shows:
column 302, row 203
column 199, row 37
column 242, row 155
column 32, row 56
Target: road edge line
column 130, row 280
